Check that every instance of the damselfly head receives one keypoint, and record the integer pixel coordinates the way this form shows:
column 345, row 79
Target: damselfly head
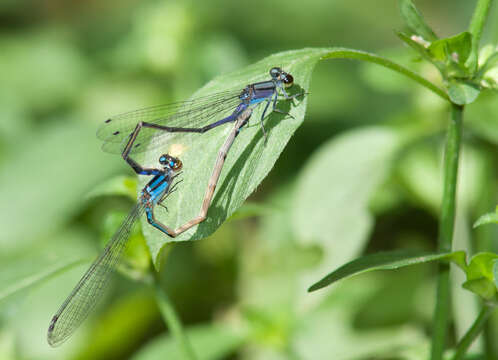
column 280, row 75
column 288, row 80
column 170, row 162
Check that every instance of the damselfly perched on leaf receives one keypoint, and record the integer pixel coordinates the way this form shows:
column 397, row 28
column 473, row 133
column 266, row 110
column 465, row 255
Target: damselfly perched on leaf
column 146, row 129
column 90, row 288
column 126, row 133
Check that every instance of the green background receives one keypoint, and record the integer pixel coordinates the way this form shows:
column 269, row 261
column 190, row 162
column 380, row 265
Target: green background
column 341, row 187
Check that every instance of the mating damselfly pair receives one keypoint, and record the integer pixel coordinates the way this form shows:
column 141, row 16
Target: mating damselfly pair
column 127, row 134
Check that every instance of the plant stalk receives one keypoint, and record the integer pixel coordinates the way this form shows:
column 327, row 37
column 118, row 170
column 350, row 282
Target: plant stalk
column 342, row 53
column 478, row 19
column 173, row 322
column 446, row 225
column 475, row 28
column 473, row 332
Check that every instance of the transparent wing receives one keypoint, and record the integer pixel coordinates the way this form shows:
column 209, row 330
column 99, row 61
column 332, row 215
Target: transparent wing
column 89, row 289
column 195, row 113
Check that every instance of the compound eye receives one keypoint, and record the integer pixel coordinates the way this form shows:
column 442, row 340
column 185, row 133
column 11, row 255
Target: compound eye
column 275, row 72
column 163, row 160
column 177, row 165
column 288, row 80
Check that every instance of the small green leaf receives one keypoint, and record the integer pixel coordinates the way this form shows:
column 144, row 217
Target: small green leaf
column 482, row 287
column 481, row 265
column 489, row 218
column 387, row 261
column 415, row 21
column 481, row 275
column 456, row 48
column 462, row 93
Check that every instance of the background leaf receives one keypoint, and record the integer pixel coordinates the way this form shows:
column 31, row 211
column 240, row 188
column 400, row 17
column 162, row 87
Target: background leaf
column 386, row 261
column 489, row 218
column 332, row 194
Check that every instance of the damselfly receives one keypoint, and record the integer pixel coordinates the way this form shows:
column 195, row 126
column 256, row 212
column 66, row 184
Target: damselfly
column 127, row 133
column 89, row 289
column 124, row 133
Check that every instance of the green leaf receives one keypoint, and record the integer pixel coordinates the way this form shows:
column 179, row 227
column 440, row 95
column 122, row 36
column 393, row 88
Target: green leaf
column 481, row 275
column 460, row 44
column 386, row 261
column 462, row 93
column 334, row 189
column 415, row 21
column 481, row 266
column 210, row 342
column 489, row 218
column 482, row 287
column 452, row 53
column 248, row 161
column 449, row 55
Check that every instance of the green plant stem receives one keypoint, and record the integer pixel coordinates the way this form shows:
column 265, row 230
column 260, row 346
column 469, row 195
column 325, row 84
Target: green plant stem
column 446, row 224
column 478, row 20
column 376, row 59
column 472, row 333
column 173, row 321
column 476, row 27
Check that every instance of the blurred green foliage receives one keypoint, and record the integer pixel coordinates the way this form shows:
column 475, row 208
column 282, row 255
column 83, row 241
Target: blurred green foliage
column 342, row 186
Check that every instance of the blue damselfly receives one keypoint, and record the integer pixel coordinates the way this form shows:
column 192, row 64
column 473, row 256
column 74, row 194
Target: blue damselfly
column 124, row 133
column 127, row 133
column 89, row 289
